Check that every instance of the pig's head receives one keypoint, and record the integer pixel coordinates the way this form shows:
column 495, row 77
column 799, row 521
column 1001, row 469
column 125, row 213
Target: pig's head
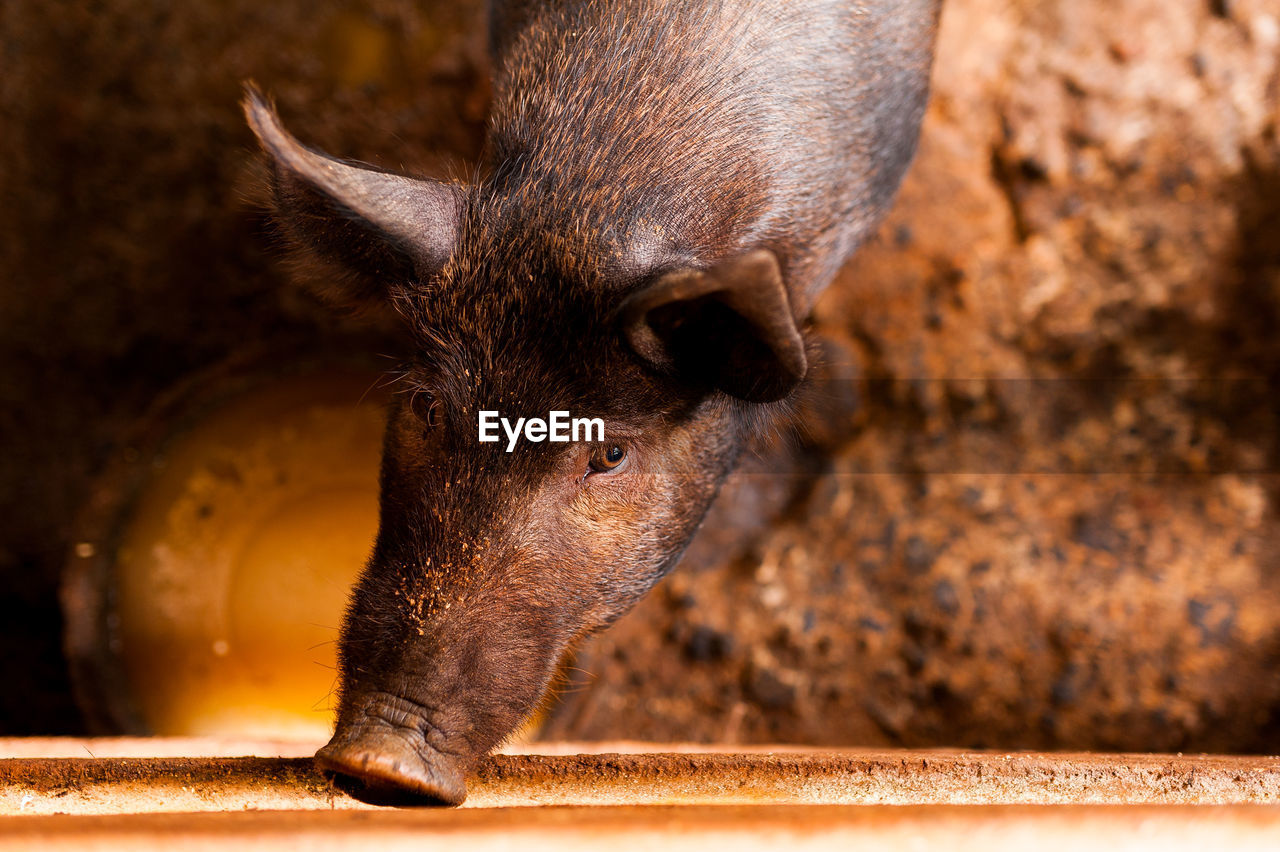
column 489, row 564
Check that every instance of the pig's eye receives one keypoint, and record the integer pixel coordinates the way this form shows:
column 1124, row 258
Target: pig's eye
column 608, row 458
column 426, row 408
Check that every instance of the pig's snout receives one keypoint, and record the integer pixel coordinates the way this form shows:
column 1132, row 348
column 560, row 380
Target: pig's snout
column 388, row 763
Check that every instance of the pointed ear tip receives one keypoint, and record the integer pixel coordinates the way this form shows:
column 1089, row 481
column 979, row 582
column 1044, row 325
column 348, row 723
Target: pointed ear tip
column 796, row 362
column 263, row 120
column 252, row 98
column 763, row 261
column 255, row 102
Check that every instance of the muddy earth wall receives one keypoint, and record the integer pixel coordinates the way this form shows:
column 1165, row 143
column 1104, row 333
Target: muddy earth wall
column 1029, row 501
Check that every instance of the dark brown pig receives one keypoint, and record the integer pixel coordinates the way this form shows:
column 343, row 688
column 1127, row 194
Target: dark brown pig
column 667, row 186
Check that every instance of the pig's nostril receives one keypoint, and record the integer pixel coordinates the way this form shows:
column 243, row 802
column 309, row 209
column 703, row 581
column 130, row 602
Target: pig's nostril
column 381, row 768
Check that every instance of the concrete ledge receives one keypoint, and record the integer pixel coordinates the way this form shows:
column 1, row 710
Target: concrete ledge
column 956, row 828
column 95, row 786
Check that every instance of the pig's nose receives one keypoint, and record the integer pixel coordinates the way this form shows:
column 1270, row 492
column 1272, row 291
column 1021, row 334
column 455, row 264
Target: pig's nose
column 381, row 767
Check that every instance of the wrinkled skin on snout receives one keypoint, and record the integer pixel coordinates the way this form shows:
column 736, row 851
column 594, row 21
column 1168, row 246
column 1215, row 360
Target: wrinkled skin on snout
column 666, row 188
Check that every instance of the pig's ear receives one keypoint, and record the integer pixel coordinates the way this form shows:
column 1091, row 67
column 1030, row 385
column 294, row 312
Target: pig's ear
column 379, row 228
column 729, row 327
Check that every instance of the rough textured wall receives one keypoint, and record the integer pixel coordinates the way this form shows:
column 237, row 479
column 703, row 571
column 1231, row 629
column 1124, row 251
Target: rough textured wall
column 1031, row 502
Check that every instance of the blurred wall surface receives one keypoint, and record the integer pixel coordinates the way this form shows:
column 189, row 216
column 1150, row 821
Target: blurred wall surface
column 1030, row 499
column 131, row 251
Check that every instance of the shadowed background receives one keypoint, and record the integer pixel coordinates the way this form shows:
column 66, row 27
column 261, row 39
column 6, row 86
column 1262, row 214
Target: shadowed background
column 1032, row 500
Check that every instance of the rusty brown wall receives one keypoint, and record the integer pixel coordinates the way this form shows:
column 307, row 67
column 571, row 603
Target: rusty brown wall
column 1032, row 503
